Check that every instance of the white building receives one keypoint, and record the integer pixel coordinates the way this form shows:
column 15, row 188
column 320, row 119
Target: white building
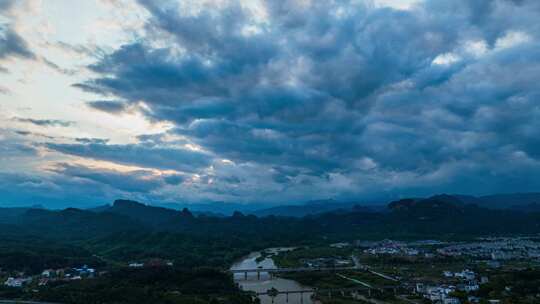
column 465, row 274
column 17, row 282
column 471, row 287
column 136, row 265
column 448, row 274
column 450, row 300
column 47, row 273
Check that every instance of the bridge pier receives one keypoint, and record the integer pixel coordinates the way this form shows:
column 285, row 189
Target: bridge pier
column 245, row 275
column 287, row 297
column 259, row 278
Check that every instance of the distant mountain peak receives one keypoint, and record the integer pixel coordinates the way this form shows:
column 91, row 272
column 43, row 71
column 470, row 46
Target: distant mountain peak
column 321, row 201
column 438, row 206
column 186, row 213
column 446, row 198
column 72, row 210
column 127, row 203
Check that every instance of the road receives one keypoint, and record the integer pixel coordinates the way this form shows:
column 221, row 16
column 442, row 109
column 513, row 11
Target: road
column 383, row 276
column 356, row 281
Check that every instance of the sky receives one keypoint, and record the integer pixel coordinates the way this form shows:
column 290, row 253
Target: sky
column 266, row 101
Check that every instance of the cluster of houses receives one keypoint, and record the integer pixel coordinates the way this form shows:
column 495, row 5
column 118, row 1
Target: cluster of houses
column 496, row 249
column 442, row 293
column 17, row 282
column 388, row 247
column 69, row 274
column 327, row 262
column 50, row 275
column 151, row 263
column 341, row 245
column 466, row 274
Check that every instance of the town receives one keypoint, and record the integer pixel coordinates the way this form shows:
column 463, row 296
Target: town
column 426, row 271
column 386, row 271
column 20, row 279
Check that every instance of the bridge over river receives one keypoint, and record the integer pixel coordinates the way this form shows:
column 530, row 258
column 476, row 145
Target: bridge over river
column 328, row 291
column 296, row 269
column 271, row 271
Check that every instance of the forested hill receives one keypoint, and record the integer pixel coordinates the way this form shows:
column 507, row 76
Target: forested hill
column 127, row 231
column 444, row 215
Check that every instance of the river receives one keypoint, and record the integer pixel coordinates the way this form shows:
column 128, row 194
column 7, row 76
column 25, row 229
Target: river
column 265, row 282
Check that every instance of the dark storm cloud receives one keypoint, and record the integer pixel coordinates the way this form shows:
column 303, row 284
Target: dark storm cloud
column 63, row 185
column 137, row 181
column 10, row 148
column 75, row 186
column 342, row 93
column 138, row 155
column 85, row 140
column 174, row 179
column 109, row 106
column 45, row 122
column 25, row 189
column 5, row 4
column 11, row 43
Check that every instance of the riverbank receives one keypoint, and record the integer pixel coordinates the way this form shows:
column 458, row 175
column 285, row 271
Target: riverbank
column 264, row 281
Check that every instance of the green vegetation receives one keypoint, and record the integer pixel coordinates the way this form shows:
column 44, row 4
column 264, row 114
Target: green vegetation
column 149, row 285
column 516, row 287
column 321, row 280
column 421, row 268
column 32, row 255
column 183, row 249
column 295, row 258
column 34, row 239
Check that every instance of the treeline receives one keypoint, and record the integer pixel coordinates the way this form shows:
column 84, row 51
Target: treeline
column 516, row 287
column 130, row 231
column 35, row 239
column 34, row 254
column 165, row 285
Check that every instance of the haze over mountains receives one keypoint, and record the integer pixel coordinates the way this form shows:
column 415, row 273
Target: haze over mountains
column 515, row 201
column 441, row 214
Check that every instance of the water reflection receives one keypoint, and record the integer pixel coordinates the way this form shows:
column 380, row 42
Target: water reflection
column 267, row 282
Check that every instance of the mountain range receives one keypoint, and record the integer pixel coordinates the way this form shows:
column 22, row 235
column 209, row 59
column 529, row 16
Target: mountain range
column 436, row 214
column 131, row 231
column 529, row 202
column 515, row 201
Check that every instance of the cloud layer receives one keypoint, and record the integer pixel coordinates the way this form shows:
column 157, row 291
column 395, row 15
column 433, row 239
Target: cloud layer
column 298, row 100
column 11, row 43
